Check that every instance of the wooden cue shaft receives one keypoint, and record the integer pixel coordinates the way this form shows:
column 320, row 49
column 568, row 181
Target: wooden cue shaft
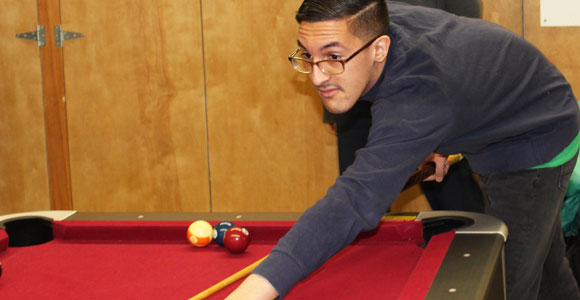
column 231, row 279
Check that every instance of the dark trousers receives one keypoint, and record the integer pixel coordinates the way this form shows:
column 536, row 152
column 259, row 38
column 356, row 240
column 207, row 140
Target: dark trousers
column 458, row 191
column 529, row 202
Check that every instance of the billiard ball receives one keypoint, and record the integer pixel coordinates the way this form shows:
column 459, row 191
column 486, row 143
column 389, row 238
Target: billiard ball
column 237, row 239
column 199, row 233
column 220, row 230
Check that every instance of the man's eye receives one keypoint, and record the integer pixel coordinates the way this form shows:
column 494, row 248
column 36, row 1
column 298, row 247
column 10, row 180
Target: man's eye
column 306, row 56
column 335, row 57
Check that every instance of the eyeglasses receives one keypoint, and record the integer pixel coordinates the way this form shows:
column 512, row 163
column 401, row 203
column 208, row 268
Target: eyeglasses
column 327, row 66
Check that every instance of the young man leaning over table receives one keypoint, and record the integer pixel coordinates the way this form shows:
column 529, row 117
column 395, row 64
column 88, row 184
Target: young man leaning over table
column 437, row 83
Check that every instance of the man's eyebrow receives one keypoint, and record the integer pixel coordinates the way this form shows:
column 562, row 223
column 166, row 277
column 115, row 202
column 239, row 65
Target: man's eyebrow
column 300, row 45
column 329, row 45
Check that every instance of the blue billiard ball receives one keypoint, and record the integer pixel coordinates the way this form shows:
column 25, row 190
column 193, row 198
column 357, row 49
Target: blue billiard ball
column 219, row 231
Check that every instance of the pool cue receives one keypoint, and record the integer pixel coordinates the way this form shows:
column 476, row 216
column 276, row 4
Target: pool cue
column 428, row 170
column 231, row 279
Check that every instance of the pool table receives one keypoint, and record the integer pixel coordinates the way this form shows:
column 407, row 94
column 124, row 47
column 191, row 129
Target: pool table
column 76, row 255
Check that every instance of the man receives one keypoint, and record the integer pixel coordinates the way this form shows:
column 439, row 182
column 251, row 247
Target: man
column 438, row 84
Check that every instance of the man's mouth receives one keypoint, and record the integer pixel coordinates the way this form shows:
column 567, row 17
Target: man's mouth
column 328, row 92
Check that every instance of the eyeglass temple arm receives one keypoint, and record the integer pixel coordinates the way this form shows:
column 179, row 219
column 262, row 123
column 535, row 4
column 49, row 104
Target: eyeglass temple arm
column 291, row 56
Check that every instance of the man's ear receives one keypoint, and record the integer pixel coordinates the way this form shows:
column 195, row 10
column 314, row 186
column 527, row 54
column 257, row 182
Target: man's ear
column 381, row 48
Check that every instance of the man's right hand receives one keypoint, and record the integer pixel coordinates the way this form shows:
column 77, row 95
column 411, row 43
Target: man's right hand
column 441, row 166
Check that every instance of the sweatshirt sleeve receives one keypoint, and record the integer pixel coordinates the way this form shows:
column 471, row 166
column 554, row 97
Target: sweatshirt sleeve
column 398, row 143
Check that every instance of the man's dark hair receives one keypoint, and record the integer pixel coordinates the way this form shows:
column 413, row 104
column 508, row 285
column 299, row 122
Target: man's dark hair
column 369, row 18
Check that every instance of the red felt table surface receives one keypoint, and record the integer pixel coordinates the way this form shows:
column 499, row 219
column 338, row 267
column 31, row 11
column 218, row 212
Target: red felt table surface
column 153, row 260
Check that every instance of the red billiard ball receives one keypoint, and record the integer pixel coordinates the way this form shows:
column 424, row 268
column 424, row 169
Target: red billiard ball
column 237, row 239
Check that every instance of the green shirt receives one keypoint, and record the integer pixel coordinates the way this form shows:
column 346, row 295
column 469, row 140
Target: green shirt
column 564, row 156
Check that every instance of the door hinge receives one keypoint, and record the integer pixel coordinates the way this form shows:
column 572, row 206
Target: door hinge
column 60, row 36
column 39, row 36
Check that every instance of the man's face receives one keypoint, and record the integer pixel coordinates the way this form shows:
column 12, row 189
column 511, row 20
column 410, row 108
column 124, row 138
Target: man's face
column 332, row 40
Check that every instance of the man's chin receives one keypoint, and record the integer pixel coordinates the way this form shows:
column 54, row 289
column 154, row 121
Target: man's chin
column 335, row 107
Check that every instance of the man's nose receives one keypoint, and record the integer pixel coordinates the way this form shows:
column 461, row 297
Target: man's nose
column 317, row 77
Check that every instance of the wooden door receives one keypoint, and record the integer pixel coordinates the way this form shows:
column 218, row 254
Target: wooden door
column 269, row 150
column 559, row 44
column 506, row 13
column 23, row 161
column 136, row 106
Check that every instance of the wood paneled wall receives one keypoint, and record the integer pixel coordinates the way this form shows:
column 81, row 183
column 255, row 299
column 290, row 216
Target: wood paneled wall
column 507, row 13
column 23, row 161
column 136, row 106
column 178, row 105
column 559, row 44
column 269, row 148
column 157, row 117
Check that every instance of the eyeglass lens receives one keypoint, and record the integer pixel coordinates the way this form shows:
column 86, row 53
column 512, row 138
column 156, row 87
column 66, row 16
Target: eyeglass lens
column 326, row 66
